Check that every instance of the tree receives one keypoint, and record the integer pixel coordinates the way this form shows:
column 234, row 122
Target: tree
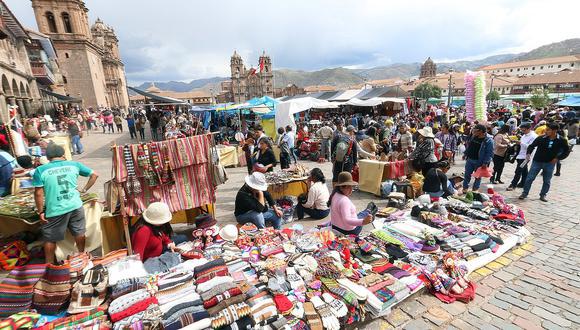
column 426, row 91
column 492, row 96
column 540, row 98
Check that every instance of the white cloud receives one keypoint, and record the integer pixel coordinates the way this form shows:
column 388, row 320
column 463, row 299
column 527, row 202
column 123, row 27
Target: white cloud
column 181, row 40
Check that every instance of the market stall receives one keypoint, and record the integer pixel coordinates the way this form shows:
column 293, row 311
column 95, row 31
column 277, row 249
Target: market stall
column 178, row 172
column 374, row 172
column 248, row 277
column 18, row 215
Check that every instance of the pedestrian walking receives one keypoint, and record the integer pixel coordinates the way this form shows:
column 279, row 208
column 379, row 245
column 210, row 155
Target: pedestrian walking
column 521, row 172
column 551, row 149
column 131, row 125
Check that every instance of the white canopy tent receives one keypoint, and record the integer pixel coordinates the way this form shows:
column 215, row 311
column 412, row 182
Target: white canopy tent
column 373, row 101
column 286, row 110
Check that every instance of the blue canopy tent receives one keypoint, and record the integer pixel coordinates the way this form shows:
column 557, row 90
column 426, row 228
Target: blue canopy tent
column 572, row 101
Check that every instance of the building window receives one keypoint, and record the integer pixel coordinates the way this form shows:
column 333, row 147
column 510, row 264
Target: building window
column 504, row 70
column 542, row 67
column 51, row 22
column 511, row 70
column 64, row 80
column 559, row 66
column 518, row 69
column 571, row 64
column 533, row 68
column 66, row 55
column 66, row 22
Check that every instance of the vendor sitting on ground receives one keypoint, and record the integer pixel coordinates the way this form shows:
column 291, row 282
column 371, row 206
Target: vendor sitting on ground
column 343, row 216
column 152, row 235
column 436, row 183
column 316, row 205
column 251, row 203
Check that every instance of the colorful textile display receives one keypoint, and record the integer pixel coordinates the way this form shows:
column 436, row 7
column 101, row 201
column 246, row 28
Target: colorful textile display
column 16, row 289
column 174, row 171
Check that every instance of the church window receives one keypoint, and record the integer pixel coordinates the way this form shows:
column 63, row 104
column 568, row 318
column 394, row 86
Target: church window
column 64, row 79
column 66, row 55
column 67, row 23
column 51, row 22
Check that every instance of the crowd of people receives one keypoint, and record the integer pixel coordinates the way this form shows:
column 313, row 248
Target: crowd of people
column 536, row 141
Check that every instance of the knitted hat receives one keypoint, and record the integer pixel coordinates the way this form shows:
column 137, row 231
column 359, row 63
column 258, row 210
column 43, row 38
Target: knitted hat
column 204, row 221
column 283, row 304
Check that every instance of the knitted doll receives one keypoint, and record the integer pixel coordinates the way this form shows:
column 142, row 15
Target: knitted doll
column 455, row 271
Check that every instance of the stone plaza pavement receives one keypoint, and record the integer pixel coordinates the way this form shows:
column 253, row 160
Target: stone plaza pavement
column 534, row 286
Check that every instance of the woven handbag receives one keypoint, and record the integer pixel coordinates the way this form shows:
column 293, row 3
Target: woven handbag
column 13, row 254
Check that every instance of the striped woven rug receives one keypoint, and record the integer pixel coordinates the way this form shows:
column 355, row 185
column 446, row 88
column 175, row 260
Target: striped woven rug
column 16, row 289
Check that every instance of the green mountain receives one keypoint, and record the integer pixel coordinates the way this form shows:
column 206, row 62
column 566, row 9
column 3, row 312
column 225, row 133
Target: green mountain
column 562, row 48
column 343, row 77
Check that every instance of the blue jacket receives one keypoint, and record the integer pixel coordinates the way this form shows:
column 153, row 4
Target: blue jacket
column 486, row 151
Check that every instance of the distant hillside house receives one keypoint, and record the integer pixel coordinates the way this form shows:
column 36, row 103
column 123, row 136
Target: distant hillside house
column 290, row 90
column 319, row 88
column 192, row 97
column 534, row 67
column 567, row 81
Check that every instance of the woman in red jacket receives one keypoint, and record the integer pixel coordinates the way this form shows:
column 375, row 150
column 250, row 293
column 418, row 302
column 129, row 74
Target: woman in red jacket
column 152, row 235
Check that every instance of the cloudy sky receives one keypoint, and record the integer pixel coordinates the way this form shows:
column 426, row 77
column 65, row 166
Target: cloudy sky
column 186, row 39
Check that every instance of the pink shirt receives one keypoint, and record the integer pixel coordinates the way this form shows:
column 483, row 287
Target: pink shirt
column 343, row 213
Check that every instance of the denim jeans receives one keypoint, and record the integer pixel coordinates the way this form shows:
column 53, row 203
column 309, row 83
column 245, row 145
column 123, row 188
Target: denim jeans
column 547, row 172
column 76, row 144
column 520, row 175
column 260, row 219
column 470, row 166
column 325, row 149
column 313, row 213
column 293, row 155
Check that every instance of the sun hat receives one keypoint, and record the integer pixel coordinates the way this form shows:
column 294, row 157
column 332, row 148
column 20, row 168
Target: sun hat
column 426, row 132
column 257, row 181
column 157, row 213
column 345, row 179
column 229, row 233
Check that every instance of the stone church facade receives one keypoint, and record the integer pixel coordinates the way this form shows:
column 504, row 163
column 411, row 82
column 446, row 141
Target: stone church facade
column 428, row 69
column 89, row 58
column 250, row 83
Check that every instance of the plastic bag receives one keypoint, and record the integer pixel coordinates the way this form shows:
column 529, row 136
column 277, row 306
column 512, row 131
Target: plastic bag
column 482, row 172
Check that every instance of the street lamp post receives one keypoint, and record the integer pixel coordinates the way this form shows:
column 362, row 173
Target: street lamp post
column 490, row 89
column 238, row 80
column 449, row 95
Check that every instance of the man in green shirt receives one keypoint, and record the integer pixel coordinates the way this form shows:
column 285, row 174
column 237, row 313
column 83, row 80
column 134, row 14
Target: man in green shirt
column 58, row 201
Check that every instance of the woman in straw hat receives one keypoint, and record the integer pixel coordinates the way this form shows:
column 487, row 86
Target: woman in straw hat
column 423, row 157
column 343, row 216
column 152, row 235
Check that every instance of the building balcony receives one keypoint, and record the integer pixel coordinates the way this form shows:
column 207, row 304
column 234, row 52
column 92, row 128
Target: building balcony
column 114, row 82
column 42, row 73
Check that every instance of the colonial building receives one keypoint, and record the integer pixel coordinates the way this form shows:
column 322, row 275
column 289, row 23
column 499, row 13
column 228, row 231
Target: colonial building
column 428, row 69
column 289, row 90
column 18, row 83
column 564, row 82
column 534, row 67
column 253, row 82
column 89, row 57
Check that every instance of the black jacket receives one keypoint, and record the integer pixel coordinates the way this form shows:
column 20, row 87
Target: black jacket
column 549, row 149
column 245, row 201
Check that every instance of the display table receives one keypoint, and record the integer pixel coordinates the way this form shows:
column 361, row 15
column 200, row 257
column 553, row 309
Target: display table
column 291, row 188
column 371, row 175
column 26, row 219
column 228, row 155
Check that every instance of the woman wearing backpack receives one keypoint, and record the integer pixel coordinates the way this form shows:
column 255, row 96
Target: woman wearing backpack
column 423, row 157
column 344, row 152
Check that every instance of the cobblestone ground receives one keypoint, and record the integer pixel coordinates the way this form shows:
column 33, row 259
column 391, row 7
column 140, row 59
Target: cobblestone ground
column 534, row 286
